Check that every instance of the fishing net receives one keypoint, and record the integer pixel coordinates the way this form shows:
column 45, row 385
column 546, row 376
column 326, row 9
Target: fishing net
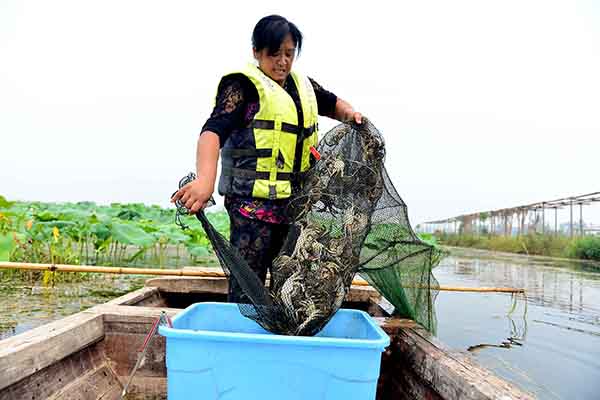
column 346, row 219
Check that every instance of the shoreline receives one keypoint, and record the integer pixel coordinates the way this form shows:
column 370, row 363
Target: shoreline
column 592, row 263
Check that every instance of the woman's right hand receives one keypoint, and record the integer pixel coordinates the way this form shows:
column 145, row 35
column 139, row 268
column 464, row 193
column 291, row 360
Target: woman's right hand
column 194, row 195
column 197, row 193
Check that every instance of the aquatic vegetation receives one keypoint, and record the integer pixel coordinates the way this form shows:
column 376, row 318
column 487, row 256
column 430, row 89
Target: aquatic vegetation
column 26, row 304
column 91, row 234
column 587, row 248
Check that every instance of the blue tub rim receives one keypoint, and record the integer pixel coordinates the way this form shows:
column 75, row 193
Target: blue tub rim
column 381, row 342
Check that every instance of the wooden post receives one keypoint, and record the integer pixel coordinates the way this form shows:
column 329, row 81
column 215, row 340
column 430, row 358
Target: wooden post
column 555, row 221
column 571, row 220
column 495, row 224
column 543, row 218
column 581, row 219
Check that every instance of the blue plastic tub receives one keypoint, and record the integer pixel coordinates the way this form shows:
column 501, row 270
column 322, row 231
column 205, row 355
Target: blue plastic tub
column 214, row 352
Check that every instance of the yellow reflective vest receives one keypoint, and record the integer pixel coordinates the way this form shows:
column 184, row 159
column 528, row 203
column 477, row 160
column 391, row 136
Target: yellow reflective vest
column 264, row 158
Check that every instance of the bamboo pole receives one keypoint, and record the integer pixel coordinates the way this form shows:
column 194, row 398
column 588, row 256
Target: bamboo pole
column 109, row 270
column 478, row 289
column 207, row 274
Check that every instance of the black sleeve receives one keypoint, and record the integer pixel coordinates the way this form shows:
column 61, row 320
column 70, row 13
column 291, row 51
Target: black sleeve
column 233, row 96
column 325, row 99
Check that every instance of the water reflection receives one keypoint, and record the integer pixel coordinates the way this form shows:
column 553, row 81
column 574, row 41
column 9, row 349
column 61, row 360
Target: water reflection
column 549, row 344
column 25, row 306
column 518, row 332
column 565, row 286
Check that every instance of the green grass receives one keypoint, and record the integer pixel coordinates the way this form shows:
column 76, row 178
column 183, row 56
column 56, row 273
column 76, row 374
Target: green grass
column 587, row 248
column 534, row 244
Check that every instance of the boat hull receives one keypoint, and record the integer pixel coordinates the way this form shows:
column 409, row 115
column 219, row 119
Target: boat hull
column 89, row 355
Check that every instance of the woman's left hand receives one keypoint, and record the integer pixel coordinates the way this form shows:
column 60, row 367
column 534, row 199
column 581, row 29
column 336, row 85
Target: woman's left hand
column 344, row 112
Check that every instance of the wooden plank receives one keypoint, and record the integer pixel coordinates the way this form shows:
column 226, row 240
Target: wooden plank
column 144, row 388
column 121, row 353
column 398, row 381
column 156, row 300
column 112, row 312
column 220, row 286
column 125, row 330
column 98, row 371
column 100, row 383
column 189, row 285
column 362, row 294
column 392, row 326
column 135, row 297
column 46, row 382
column 29, row 352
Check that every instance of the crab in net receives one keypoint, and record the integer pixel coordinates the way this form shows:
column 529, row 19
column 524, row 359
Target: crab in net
column 346, row 218
column 331, row 218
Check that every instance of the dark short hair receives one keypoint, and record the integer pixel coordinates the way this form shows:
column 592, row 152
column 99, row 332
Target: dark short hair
column 270, row 31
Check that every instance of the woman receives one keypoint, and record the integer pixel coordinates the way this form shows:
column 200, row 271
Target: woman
column 264, row 123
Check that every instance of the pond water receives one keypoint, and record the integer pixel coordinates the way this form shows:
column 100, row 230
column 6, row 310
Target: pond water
column 551, row 347
column 550, row 344
column 25, row 305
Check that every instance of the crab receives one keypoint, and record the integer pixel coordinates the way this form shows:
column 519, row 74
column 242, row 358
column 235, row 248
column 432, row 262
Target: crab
column 311, row 280
column 289, row 290
column 336, row 247
column 311, row 311
column 283, row 267
column 338, row 136
column 306, row 243
column 354, row 222
column 328, row 270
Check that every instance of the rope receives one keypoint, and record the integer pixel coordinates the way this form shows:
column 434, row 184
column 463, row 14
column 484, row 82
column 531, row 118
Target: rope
column 163, row 319
column 181, row 209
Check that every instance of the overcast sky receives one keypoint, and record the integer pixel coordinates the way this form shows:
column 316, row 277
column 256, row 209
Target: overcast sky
column 482, row 104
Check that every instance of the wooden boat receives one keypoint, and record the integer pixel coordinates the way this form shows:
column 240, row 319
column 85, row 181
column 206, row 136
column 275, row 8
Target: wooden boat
column 89, row 355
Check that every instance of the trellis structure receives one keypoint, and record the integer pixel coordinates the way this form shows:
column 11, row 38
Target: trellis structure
column 529, row 218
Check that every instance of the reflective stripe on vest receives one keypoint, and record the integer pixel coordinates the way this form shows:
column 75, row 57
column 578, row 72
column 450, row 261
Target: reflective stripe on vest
column 281, row 145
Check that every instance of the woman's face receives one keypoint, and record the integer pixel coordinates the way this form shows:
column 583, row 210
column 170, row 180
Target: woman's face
column 278, row 65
